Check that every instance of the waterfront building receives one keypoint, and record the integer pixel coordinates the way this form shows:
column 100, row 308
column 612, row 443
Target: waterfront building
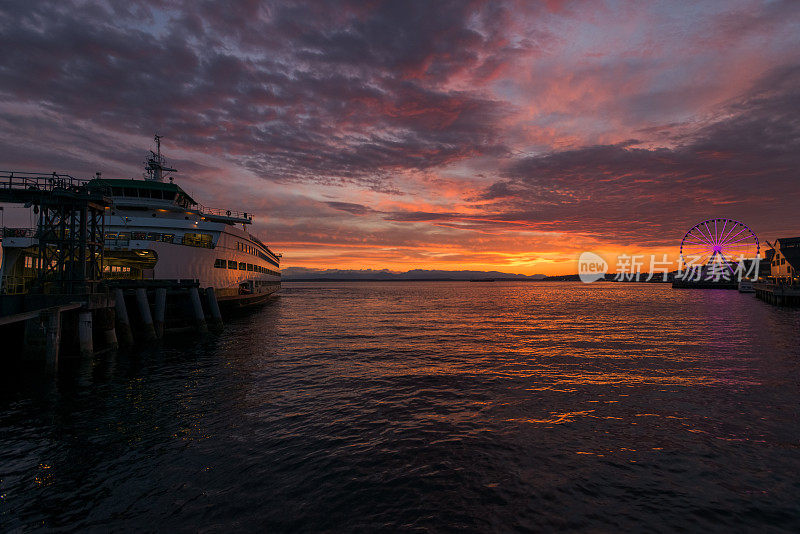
column 785, row 264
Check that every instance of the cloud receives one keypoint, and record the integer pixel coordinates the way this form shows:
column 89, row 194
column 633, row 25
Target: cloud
column 427, row 130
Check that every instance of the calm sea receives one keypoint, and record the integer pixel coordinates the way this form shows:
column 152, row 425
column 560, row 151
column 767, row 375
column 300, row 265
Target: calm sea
column 429, row 407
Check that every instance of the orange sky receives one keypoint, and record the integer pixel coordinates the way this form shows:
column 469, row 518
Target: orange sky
column 506, row 136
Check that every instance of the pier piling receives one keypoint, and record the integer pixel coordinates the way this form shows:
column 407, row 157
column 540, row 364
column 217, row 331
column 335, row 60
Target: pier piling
column 122, row 321
column 85, row 341
column 51, row 319
column 104, row 323
column 213, row 306
column 148, row 331
column 160, row 311
column 197, row 310
column 35, row 338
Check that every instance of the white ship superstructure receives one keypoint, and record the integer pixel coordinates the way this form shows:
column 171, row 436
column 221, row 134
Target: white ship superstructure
column 153, row 230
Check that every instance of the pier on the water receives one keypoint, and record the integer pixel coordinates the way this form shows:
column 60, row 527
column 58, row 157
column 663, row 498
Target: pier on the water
column 779, row 295
column 45, row 327
column 68, row 308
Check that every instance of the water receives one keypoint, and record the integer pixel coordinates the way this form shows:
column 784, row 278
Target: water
column 425, row 406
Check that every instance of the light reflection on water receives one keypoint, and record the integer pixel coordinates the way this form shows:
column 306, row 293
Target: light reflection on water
column 422, row 405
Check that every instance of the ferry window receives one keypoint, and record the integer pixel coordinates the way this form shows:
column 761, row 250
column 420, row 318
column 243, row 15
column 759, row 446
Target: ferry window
column 242, row 266
column 139, row 235
column 232, row 264
column 167, row 238
column 111, row 237
column 124, row 236
column 153, row 236
column 220, row 263
column 131, row 192
column 197, row 240
column 249, row 266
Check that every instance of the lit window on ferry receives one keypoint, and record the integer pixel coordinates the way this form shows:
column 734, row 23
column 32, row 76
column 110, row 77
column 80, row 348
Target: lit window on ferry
column 220, row 263
column 242, row 266
column 167, row 238
column 197, row 240
column 232, row 264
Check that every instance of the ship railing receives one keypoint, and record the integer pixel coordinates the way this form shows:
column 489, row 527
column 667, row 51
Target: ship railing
column 257, row 240
column 219, row 212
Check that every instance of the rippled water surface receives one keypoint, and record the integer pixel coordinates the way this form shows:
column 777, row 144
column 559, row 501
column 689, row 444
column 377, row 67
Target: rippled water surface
column 425, row 406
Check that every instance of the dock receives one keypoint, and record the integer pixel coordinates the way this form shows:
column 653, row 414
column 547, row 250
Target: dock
column 777, row 294
column 68, row 308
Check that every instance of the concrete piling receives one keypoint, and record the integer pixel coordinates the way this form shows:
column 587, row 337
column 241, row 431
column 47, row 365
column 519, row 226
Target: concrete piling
column 35, row 338
column 213, row 306
column 104, row 323
column 148, row 331
column 110, row 338
column 197, row 310
column 160, row 311
column 85, row 341
column 51, row 319
column 104, row 315
column 122, row 321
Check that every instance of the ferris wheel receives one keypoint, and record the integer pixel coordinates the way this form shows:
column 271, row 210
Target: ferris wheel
column 719, row 241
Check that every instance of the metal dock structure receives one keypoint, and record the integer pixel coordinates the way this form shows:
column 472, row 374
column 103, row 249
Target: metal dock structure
column 67, row 306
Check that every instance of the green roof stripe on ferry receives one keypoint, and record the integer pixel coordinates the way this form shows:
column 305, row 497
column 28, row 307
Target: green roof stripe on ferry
column 139, row 184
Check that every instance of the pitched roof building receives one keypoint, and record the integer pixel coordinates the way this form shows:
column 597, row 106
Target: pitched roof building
column 785, row 264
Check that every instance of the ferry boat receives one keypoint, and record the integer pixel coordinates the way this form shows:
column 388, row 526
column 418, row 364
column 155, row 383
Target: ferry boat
column 154, row 230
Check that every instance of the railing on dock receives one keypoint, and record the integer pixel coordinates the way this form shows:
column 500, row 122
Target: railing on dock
column 13, row 180
column 15, row 285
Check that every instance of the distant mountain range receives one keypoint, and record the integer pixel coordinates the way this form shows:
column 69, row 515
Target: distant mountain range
column 304, row 274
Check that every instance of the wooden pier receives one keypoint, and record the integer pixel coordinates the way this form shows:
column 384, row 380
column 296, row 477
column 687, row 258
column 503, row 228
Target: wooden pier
column 776, row 294
column 45, row 328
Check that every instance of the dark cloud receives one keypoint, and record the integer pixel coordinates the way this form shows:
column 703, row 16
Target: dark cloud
column 355, row 209
column 275, row 86
column 741, row 166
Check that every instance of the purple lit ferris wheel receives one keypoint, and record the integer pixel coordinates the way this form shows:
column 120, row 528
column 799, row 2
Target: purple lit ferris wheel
column 720, row 241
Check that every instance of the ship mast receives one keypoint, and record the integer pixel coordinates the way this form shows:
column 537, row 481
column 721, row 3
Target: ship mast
column 156, row 164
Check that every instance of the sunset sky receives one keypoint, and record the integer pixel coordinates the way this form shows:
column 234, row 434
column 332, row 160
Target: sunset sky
column 504, row 136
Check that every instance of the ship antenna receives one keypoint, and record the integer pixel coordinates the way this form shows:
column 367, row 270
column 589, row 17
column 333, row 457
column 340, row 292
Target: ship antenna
column 156, row 165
